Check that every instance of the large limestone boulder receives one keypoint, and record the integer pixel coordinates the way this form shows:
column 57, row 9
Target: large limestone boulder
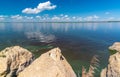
column 50, row 64
column 113, row 68
column 13, row 60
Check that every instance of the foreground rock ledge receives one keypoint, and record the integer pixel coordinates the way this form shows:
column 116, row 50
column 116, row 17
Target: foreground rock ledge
column 50, row 64
column 113, row 68
column 13, row 60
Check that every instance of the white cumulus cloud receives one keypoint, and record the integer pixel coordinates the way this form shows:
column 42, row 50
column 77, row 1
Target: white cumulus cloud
column 41, row 7
column 2, row 17
column 56, row 18
column 91, row 18
column 95, row 16
column 110, row 18
column 18, row 17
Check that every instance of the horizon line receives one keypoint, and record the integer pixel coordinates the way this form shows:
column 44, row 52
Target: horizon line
column 57, row 21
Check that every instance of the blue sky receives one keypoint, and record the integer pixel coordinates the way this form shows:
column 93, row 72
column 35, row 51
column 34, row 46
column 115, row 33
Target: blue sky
column 68, row 10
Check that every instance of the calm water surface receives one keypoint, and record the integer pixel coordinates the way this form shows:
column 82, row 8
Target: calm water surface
column 79, row 42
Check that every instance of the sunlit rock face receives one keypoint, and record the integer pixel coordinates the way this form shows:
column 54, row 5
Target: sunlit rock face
column 113, row 68
column 115, row 46
column 49, row 64
column 13, row 60
column 40, row 37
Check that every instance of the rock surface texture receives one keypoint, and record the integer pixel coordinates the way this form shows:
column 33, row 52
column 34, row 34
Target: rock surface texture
column 113, row 68
column 49, row 64
column 115, row 46
column 13, row 60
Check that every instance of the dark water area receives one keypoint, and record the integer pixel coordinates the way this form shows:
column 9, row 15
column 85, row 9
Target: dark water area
column 79, row 42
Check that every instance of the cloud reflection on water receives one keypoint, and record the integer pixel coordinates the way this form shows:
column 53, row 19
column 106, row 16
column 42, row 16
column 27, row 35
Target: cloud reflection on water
column 40, row 37
column 63, row 27
column 48, row 32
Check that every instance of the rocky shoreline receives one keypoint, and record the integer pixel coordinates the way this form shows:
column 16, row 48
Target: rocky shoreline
column 19, row 62
column 113, row 68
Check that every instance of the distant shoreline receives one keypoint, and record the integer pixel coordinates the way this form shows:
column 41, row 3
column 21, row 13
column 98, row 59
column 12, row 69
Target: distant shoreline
column 64, row 22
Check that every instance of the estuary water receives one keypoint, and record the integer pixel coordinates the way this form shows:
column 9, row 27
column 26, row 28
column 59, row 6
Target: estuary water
column 79, row 42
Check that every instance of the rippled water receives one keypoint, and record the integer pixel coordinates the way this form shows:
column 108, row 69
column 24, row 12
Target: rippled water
column 79, row 42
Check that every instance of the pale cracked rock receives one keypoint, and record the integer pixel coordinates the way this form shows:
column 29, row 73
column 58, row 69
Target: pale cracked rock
column 13, row 60
column 113, row 68
column 49, row 64
column 115, row 46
